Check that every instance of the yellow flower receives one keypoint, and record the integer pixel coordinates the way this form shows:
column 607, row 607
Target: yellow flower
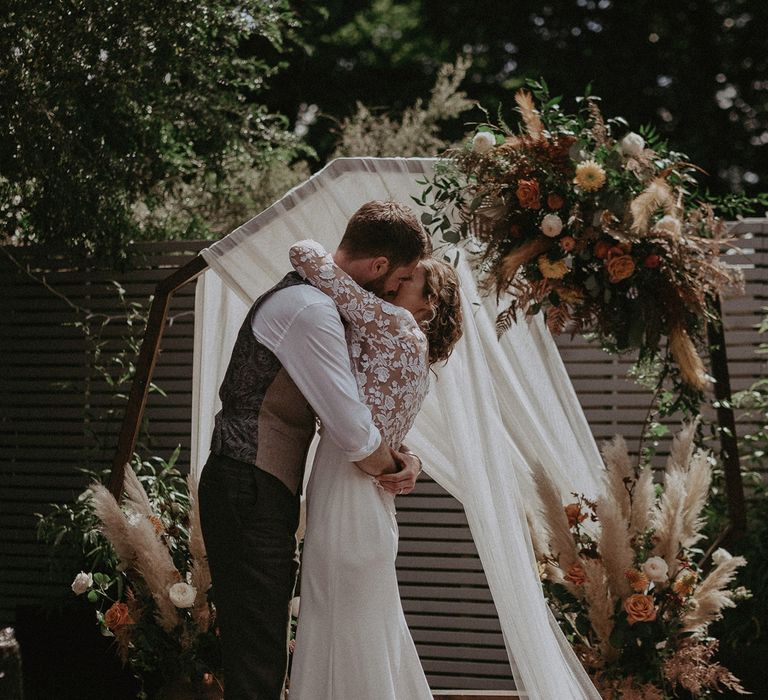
column 590, row 176
column 684, row 586
column 553, row 270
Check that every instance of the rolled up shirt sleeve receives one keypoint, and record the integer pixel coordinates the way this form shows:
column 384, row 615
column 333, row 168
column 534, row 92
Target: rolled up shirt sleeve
column 311, row 346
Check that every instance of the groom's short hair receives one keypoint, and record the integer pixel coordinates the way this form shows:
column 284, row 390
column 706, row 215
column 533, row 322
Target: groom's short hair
column 388, row 229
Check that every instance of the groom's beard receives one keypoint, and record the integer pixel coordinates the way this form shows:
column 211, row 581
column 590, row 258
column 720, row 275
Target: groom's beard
column 378, row 285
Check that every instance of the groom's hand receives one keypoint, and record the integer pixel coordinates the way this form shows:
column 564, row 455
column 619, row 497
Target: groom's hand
column 404, row 479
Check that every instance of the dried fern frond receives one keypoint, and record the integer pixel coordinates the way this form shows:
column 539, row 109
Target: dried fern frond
column 505, row 319
column 530, row 114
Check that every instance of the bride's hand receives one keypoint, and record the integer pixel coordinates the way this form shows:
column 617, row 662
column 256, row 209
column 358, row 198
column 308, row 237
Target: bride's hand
column 403, row 481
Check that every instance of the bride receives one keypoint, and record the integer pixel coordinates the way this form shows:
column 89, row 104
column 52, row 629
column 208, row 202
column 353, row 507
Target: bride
column 352, row 641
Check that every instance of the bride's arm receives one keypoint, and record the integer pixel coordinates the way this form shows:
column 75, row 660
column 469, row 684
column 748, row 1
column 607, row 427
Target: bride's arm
column 356, row 305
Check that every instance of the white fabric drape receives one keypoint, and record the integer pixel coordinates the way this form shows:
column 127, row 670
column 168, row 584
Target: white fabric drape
column 498, row 412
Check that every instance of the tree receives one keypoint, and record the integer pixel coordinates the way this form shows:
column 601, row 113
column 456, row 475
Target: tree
column 697, row 70
column 107, row 105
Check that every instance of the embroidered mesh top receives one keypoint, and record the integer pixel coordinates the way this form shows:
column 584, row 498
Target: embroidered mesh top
column 387, row 348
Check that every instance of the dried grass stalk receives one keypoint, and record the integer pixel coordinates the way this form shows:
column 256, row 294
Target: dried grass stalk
column 530, row 114
column 643, row 500
column 681, row 451
column 600, row 604
column 613, row 545
column 658, row 195
column 712, row 596
column 619, row 473
column 135, row 495
column 668, row 520
column 199, row 571
column 698, row 481
column 684, row 351
column 114, row 525
column 561, row 543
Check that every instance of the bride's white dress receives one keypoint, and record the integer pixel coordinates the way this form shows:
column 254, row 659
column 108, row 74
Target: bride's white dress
column 352, row 640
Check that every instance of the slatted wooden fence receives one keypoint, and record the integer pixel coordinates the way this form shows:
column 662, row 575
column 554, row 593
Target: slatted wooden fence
column 42, row 441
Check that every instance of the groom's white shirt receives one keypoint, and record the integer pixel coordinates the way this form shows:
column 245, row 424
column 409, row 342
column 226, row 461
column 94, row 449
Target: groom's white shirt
column 302, row 327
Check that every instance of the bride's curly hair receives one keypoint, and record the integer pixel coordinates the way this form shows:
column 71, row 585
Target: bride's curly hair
column 444, row 328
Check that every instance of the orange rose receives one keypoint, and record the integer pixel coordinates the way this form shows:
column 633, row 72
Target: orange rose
column 576, row 574
column 638, row 581
column 639, row 608
column 117, row 616
column 567, row 243
column 601, row 249
column 575, row 516
column 528, row 194
column 554, row 201
column 620, row 267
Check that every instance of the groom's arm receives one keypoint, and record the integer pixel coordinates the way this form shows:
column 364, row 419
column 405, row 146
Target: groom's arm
column 302, row 327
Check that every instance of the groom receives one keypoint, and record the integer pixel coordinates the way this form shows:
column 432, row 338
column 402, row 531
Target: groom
column 289, row 366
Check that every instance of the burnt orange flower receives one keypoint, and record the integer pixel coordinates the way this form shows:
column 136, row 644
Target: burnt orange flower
column 555, row 201
column 575, row 516
column 576, row 574
column 684, row 585
column 620, row 267
column 528, row 194
column 638, row 581
column 601, row 249
column 157, row 524
column 639, row 608
column 567, row 243
column 117, row 616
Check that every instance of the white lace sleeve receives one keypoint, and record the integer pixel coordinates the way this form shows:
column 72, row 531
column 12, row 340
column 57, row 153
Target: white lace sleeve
column 388, row 349
column 356, row 305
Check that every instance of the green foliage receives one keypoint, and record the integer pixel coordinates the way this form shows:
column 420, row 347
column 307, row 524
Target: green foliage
column 416, row 132
column 106, row 105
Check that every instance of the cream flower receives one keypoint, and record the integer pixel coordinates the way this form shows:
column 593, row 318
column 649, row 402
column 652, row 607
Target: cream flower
column 551, row 225
column 669, row 225
column 483, row 141
column 182, row 595
column 295, row 605
column 590, row 175
column 656, row 569
column 721, row 556
column 632, row 144
column 82, row 583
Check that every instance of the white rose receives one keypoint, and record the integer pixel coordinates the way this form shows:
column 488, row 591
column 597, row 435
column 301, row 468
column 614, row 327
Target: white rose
column 551, row 225
column 295, row 605
column 721, row 556
column 656, row 569
column 669, row 224
column 632, row 144
column 483, row 142
column 182, row 595
column 82, row 583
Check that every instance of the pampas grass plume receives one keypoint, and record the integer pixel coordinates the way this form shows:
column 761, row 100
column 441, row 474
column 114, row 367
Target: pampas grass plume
column 515, row 259
column 698, row 481
column 114, row 525
column 711, row 596
column 618, row 469
column 684, row 351
column 657, row 195
column 613, row 544
column 530, row 114
column 599, row 603
column 135, row 495
column 561, row 543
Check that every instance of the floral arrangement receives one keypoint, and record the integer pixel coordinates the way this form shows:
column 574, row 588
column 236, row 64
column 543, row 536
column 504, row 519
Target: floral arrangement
column 154, row 601
column 601, row 228
column 621, row 577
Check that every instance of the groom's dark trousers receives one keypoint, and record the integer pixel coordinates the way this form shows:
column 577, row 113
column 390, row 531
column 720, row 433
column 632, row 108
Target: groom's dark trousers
column 249, row 518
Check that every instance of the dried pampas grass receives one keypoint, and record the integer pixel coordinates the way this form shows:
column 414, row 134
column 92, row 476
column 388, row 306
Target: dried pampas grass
column 600, row 602
column 561, row 544
column 684, row 351
column 530, row 114
column 135, row 495
column 699, row 478
column 199, row 571
column 619, row 473
column 516, row 258
column 114, row 524
column 613, row 545
column 712, row 596
column 643, row 500
column 658, row 195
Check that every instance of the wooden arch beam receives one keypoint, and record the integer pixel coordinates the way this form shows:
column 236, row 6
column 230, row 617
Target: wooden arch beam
column 145, row 367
